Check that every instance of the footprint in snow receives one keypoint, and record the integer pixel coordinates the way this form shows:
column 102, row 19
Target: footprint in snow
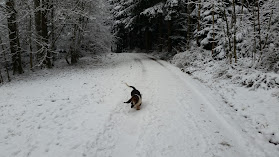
column 224, row 143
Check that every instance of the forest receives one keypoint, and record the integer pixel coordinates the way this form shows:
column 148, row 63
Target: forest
column 139, row 78
column 230, row 29
column 36, row 33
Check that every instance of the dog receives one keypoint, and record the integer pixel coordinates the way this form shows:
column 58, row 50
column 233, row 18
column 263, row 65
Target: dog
column 136, row 98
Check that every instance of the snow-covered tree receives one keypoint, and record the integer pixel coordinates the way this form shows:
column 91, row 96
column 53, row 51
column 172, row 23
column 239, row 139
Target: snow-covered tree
column 211, row 31
column 268, row 34
column 35, row 31
column 150, row 23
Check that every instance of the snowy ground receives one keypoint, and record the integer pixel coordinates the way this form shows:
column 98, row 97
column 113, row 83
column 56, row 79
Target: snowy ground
column 79, row 111
column 250, row 97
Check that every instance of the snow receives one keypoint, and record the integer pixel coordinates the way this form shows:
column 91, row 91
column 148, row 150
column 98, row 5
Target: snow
column 79, row 111
column 118, row 7
column 250, row 97
column 153, row 11
column 171, row 3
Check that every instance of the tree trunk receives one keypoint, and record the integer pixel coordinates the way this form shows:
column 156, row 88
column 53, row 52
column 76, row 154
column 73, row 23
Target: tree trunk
column 160, row 34
column 52, row 29
column 234, row 33
column 5, row 60
column 146, row 39
column 54, row 35
column 13, row 37
column 213, row 31
column 268, row 29
column 259, row 27
column 38, row 27
column 169, row 36
column 45, row 7
column 199, row 27
column 1, row 77
column 73, row 51
column 242, row 11
column 30, row 41
column 254, row 33
column 188, row 24
column 83, row 24
column 227, row 32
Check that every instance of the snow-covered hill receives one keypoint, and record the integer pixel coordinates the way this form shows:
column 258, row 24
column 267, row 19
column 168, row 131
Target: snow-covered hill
column 79, row 111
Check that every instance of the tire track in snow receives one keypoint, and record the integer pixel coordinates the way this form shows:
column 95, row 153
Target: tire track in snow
column 228, row 136
column 198, row 134
column 157, row 128
column 132, row 128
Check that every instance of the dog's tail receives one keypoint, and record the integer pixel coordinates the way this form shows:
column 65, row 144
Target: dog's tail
column 131, row 86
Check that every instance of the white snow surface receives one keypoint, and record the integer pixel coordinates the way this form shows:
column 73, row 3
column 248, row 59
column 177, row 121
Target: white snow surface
column 79, row 111
column 249, row 97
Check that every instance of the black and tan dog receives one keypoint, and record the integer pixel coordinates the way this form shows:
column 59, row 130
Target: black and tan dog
column 136, row 98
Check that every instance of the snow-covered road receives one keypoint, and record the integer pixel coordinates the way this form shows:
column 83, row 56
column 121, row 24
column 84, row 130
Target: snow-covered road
column 81, row 113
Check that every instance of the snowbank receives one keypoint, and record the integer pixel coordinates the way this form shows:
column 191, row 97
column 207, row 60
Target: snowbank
column 250, row 96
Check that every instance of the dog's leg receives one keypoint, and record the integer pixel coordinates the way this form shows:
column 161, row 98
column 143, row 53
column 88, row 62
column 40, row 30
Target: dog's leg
column 128, row 101
column 132, row 105
column 138, row 106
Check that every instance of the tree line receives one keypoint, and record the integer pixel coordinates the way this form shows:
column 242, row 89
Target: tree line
column 34, row 33
column 230, row 29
